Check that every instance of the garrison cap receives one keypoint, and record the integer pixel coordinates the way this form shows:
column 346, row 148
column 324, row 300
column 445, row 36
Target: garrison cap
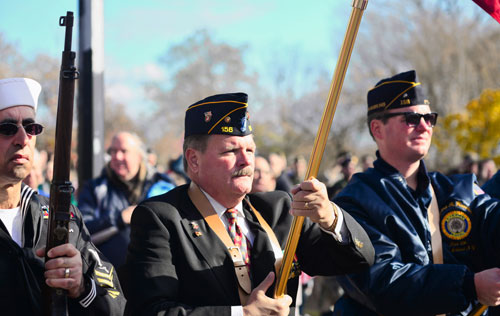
column 19, row 91
column 224, row 114
column 399, row 91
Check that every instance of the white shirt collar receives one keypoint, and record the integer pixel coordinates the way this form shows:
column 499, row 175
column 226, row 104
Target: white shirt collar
column 219, row 208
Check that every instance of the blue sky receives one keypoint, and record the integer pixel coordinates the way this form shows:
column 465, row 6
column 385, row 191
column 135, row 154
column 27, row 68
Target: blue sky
column 137, row 33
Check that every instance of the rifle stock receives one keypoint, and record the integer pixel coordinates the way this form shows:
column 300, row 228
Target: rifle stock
column 55, row 300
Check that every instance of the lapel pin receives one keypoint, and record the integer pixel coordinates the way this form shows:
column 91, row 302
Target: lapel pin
column 194, row 225
column 358, row 243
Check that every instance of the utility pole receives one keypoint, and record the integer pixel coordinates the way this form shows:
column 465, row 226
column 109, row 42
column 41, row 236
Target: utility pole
column 90, row 102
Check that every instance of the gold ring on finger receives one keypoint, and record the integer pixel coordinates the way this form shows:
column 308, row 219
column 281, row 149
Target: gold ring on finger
column 67, row 272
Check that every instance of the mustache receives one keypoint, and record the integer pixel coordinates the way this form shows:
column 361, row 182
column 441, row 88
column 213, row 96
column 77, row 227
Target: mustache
column 247, row 171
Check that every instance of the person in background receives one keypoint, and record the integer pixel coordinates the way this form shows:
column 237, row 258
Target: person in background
column 35, row 178
column 487, row 168
column 278, row 166
column 176, row 171
column 107, row 202
column 348, row 165
column 263, row 178
column 470, row 164
column 209, row 248
column 366, row 162
column 77, row 267
column 47, row 173
column 152, row 159
column 492, row 186
column 298, row 170
column 435, row 237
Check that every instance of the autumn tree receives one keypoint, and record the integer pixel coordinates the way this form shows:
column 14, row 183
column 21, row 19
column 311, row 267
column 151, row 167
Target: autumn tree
column 474, row 130
column 116, row 120
column 456, row 54
column 199, row 66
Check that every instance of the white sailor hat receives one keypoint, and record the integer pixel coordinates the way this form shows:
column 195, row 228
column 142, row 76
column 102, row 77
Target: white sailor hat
column 19, row 91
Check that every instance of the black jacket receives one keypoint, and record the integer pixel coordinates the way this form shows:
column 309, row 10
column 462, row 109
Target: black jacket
column 178, row 266
column 21, row 271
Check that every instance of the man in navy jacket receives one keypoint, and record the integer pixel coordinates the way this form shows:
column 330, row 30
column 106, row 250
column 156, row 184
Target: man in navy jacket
column 428, row 260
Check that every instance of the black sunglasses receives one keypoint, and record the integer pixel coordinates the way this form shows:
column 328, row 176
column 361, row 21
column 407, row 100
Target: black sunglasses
column 413, row 118
column 10, row 129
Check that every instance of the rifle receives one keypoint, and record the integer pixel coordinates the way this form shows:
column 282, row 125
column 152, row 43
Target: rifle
column 55, row 300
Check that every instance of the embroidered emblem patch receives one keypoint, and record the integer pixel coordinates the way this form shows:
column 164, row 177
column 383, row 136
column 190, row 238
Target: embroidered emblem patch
column 104, row 278
column 208, row 116
column 295, row 270
column 477, row 190
column 244, row 124
column 45, row 212
column 456, row 225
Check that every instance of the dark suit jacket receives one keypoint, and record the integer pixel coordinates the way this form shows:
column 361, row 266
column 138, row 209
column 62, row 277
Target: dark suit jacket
column 177, row 265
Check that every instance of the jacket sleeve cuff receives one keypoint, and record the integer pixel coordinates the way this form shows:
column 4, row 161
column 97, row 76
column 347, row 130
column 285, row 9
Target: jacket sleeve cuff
column 119, row 220
column 236, row 310
column 468, row 287
column 89, row 295
column 339, row 231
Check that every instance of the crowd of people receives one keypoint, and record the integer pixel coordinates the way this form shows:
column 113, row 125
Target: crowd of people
column 386, row 236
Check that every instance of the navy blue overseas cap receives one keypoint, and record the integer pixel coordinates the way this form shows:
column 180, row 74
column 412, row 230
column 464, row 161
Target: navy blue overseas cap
column 224, row 114
column 399, row 91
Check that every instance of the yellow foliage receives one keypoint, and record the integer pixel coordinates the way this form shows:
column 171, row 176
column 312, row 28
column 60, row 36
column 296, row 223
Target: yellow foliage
column 477, row 129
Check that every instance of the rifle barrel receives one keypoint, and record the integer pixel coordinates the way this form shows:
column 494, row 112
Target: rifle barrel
column 55, row 302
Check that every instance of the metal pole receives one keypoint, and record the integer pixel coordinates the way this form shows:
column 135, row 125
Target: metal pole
column 90, row 90
column 321, row 137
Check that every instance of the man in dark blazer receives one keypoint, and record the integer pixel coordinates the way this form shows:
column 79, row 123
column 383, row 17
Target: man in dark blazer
column 178, row 262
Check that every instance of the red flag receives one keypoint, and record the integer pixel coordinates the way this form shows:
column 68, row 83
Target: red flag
column 490, row 6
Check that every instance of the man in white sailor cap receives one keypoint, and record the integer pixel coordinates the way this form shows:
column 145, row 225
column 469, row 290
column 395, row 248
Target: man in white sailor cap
column 24, row 221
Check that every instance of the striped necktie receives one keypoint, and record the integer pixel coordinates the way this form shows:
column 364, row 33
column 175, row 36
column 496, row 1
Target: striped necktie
column 239, row 239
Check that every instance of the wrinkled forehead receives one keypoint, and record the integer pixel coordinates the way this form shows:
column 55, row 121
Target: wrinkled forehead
column 229, row 141
column 17, row 113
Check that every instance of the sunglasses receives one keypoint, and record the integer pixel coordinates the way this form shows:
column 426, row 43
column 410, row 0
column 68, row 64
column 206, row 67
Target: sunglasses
column 10, row 129
column 412, row 119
